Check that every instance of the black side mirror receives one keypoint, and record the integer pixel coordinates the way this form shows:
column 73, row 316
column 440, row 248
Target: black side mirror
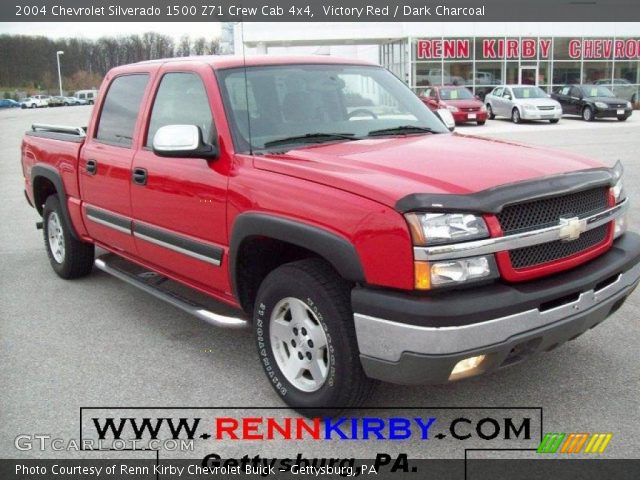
column 182, row 141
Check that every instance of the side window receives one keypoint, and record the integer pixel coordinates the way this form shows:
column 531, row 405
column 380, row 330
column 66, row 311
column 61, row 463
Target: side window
column 575, row 92
column 181, row 100
column 497, row 92
column 565, row 91
column 120, row 109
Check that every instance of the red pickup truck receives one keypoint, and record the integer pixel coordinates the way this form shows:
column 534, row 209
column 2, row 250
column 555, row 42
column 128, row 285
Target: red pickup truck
column 321, row 202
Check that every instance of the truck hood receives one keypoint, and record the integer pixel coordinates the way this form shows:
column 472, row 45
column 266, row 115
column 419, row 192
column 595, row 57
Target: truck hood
column 387, row 169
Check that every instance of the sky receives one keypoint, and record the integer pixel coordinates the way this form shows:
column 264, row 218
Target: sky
column 96, row 29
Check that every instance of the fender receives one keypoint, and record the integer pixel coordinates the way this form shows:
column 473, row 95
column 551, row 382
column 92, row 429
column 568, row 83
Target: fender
column 335, row 249
column 53, row 176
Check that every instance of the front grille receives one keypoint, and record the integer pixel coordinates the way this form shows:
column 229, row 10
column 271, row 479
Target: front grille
column 548, row 252
column 546, row 108
column 547, row 212
column 471, row 109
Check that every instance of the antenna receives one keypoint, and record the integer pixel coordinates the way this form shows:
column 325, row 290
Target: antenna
column 246, row 86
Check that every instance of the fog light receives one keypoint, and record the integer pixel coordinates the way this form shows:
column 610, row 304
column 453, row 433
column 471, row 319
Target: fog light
column 461, row 270
column 466, row 365
column 620, row 226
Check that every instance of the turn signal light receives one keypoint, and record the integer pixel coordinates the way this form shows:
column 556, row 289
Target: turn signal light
column 422, row 274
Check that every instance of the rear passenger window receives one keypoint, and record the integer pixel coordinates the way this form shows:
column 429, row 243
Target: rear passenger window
column 181, row 100
column 120, row 109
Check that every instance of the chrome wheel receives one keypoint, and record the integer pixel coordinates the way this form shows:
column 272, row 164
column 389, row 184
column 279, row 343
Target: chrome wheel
column 56, row 237
column 299, row 344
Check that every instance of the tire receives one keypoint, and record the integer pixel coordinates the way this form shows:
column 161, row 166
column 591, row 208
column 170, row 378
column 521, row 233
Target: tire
column 481, row 122
column 33, row 105
column 554, row 120
column 307, row 300
column 515, row 116
column 622, row 119
column 90, row 102
column 490, row 113
column 75, row 258
column 587, row 114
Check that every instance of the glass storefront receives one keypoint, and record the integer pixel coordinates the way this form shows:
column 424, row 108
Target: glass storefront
column 482, row 63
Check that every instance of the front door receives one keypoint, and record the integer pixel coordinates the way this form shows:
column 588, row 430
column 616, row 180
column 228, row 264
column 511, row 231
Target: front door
column 528, row 75
column 179, row 204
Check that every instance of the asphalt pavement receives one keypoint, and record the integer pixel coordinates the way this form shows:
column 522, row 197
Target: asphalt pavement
column 97, row 341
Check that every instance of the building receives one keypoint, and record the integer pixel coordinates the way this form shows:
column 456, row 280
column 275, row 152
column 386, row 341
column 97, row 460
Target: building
column 478, row 55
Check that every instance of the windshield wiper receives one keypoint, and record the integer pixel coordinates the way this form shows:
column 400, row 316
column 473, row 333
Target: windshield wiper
column 313, row 137
column 400, row 130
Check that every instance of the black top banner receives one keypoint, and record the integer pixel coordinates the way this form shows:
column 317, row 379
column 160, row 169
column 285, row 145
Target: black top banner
column 320, row 10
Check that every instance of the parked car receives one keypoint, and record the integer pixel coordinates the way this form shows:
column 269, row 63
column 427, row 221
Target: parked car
column 458, row 100
column 621, row 88
column 355, row 248
column 8, row 103
column 437, row 76
column 56, row 102
column 89, row 96
column 74, row 101
column 591, row 102
column 483, row 78
column 522, row 102
column 35, row 101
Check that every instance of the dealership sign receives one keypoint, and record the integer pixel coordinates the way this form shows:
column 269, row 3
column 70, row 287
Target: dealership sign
column 527, row 48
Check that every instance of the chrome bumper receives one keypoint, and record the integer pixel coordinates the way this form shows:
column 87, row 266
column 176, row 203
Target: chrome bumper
column 388, row 341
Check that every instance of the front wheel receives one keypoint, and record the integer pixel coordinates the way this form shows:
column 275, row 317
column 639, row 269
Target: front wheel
column 70, row 258
column 515, row 116
column 622, row 119
column 490, row 113
column 306, row 339
column 587, row 114
column 554, row 120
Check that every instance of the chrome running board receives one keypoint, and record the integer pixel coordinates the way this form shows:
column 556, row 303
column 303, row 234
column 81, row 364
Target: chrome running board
column 180, row 296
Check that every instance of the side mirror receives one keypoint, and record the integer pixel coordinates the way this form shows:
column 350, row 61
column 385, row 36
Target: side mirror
column 446, row 117
column 182, row 141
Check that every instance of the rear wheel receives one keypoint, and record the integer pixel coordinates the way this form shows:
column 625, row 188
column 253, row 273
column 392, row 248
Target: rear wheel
column 622, row 119
column 587, row 114
column 490, row 113
column 515, row 116
column 306, row 339
column 70, row 258
column 481, row 122
column 554, row 120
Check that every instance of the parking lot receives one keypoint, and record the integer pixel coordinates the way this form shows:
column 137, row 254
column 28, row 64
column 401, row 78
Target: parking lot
column 97, row 341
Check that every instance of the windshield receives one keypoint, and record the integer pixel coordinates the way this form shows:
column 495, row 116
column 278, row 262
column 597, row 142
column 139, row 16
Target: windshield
column 455, row 94
column 594, row 91
column 316, row 103
column 529, row 92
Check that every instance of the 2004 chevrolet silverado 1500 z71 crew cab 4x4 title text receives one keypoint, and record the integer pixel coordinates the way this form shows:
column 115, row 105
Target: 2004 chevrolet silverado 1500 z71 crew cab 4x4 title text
column 320, row 201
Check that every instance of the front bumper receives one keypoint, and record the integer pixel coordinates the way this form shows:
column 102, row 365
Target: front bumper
column 405, row 338
column 541, row 114
column 612, row 112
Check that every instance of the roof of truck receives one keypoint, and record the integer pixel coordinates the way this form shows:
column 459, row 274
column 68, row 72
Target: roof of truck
column 231, row 61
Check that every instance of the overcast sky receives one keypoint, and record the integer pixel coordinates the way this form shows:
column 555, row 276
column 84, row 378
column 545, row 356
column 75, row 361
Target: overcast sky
column 97, row 29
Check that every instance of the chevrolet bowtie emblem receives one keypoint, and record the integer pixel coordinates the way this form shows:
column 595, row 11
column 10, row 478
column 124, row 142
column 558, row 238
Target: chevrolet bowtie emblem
column 571, row 228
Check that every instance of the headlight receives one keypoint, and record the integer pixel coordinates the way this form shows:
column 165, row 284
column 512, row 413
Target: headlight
column 439, row 228
column 629, row 105
column 430, row 275
column 618, row 188
column 601, row 105
column 529, row 107
column 451, row 108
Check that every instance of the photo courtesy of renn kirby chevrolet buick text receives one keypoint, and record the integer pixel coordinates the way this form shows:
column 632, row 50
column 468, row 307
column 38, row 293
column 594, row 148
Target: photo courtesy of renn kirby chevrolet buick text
column 320, row 202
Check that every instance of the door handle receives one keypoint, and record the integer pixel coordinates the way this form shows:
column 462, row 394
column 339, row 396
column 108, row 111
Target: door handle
column 139, row 176
column 91, row 167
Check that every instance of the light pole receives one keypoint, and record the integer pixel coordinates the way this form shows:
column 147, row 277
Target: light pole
column 58, row 53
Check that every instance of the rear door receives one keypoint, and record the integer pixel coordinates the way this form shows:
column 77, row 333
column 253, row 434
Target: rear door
column 105, row 163
column 180, row 209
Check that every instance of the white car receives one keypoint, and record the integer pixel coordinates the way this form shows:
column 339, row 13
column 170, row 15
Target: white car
column 35, row 101
column 522, row 102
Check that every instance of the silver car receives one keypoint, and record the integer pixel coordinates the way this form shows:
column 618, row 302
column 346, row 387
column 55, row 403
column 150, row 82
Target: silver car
column 522, row 102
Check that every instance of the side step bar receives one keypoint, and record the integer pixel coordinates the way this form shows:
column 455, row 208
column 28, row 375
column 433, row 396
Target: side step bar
column 178, row 295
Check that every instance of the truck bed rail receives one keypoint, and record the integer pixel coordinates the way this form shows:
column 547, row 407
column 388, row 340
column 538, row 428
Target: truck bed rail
column 44, row 127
